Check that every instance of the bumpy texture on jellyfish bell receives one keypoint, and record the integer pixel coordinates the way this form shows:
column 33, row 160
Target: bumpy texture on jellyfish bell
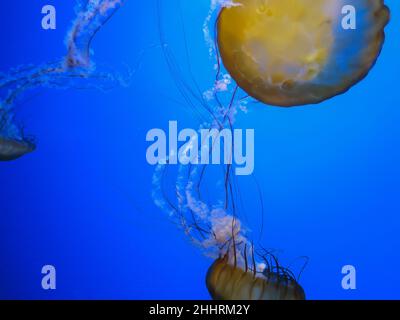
column 296, row 52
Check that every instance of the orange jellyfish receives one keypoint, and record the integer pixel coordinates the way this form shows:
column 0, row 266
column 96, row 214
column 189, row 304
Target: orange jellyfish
column 75, row 67
column 227, row 282
column 296, row 52
column 11, row 149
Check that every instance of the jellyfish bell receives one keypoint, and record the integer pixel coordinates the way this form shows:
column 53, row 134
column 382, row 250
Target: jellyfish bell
column 228, row 282
column 12, row 149
column 296, row 52
column 214, row 223
column 236, row 275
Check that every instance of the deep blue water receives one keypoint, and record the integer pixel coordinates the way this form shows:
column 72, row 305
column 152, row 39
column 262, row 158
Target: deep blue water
column 82, row 202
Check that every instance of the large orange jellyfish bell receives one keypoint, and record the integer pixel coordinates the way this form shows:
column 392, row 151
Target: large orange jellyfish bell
column 296, row 52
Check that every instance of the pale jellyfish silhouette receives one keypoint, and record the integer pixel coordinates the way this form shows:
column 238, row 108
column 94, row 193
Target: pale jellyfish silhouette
column 74, row 70
column 279, row 52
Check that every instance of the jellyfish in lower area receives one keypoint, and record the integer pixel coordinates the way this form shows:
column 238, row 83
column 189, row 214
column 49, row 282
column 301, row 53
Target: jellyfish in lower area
column 241, row 270
column 75, row 70
column 277, row 52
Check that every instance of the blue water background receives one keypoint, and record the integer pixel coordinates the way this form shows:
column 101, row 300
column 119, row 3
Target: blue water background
column 82, row 202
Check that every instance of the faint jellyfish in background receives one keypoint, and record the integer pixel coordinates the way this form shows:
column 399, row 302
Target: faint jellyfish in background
column 229, row 282
column 75, row 70
column 278, row 52
column 215, row 226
